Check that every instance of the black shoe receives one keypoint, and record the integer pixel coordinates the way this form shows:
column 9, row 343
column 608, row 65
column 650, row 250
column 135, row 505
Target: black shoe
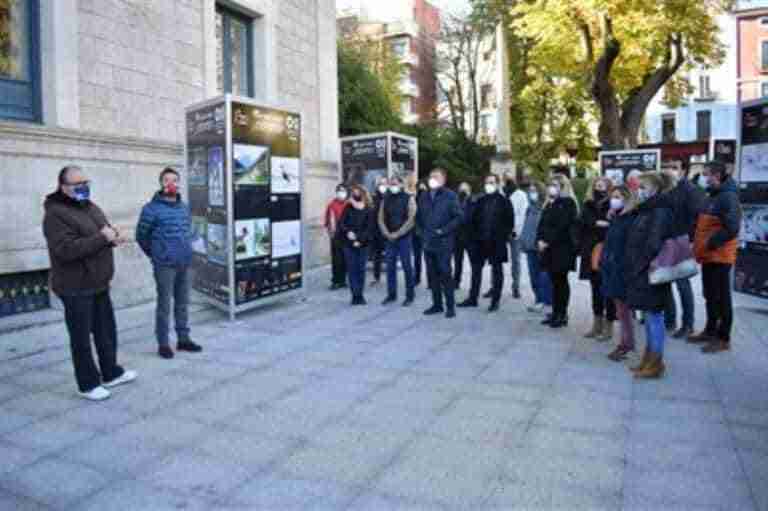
column 516, row 294
column 390, row 299
column 548, row 320
column 408, row 302
column 165, row 351
column 683, row 333
column 188, row 346
column 450, row 314
column 488, row 294
column 335, row 287
column 433, row 310
column 558, row 323
column 468, row 303
column 494, row 307
column 361, row 301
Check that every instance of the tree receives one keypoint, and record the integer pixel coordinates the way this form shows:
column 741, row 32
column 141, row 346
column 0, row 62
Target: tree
column 365, row 105
column 7, row 48
column 621, row 52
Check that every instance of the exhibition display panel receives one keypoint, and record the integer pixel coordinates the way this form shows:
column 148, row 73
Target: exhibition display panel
column 366, row 158
column 616, row 165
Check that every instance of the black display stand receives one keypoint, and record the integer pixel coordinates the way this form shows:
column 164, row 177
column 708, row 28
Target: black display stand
column 616, row 165
column 366, row 158
column 245, row 185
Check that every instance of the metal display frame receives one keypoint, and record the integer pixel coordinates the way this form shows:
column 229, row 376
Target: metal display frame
column 231, row 307
column 388, row 135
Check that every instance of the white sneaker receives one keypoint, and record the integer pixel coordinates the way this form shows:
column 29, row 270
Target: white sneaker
column 126, row 377
column 536, row 308
column 97, row 394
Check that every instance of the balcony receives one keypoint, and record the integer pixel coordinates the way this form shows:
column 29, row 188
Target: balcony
column 408, row 88
column 707, row 96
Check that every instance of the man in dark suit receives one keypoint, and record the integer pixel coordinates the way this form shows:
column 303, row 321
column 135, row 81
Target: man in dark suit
column 492, row 221
column 439, row 216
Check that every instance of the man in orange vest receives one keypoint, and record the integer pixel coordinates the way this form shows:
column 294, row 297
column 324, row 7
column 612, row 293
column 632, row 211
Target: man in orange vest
column 715, row 245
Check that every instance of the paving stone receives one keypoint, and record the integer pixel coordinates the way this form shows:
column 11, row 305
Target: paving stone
column 519, row 496
column 666, row 431
column 15, row 457
column 755, row 465
column 50, row 435
column 12, row 421
column 284, row 493
column 379, row 502
column 141, row 496
column 722, row 462
column 165, row 430
column 750, row 437
column 575, row 443
column 10, row 501
column 44, row 404
column 680, row 409
column 254, row 453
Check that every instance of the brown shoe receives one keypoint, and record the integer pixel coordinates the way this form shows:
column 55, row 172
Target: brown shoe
column 597, row 329
column 716, row 347
column 701, row 338
column 643, row 362
column 619, row 354
column 653, row 370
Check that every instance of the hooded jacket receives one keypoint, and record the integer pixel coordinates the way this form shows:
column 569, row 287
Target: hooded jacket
column 82, row 262
column 717, row 229
column 164, row 232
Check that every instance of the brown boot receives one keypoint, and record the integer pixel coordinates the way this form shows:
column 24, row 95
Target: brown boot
column 643, row 362
column 607, row 332
column 716, row 347
column 619, row 354
column 701, row 338
column 653, row 370
column 597, row 329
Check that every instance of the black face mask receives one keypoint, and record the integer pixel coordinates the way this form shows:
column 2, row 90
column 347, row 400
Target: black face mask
column 357, row 197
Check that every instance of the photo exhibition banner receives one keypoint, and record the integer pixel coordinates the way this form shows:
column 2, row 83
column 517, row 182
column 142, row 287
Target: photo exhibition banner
column 367, row 158
column 616, row 165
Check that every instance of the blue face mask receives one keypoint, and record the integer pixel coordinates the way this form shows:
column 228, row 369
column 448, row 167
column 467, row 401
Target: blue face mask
column 82, row 192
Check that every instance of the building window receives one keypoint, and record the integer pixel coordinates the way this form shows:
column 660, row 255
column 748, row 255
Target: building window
column 705, row 91
column 19, row 60
column 485, row 123
column 668, row 128
column 486, row 95
column 399, row 48
column 703, row 125
column 764, row 90
column 764, row 54
column 234, row 52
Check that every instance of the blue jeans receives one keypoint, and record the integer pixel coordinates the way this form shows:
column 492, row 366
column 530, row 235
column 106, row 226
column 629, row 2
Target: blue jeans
column 685, row 290
column 356, row 259
column 402, row 248
column 173, row 283
column 514, row 263
column 540, row 283
column 655, row 331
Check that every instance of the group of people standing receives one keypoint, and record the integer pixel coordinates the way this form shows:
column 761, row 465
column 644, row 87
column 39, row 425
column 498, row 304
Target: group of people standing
column 631, row 242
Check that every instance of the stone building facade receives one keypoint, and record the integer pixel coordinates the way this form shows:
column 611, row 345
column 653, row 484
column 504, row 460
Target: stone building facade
column 113, row 78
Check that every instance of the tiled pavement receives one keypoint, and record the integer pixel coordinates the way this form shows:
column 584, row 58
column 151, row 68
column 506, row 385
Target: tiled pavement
column 315, row 405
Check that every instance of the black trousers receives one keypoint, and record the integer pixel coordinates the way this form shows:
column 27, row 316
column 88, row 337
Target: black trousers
column 86, row 315
column 561, row 294
column 377, row 256
column 440, row 278
column 338, row 263
column 418, row 251
column 717, row 293
column 458, row 261
column 601, row 307
column 497, row 276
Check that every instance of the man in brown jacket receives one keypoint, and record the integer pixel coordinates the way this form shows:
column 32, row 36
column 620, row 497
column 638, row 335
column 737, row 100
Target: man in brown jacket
column 80, row 243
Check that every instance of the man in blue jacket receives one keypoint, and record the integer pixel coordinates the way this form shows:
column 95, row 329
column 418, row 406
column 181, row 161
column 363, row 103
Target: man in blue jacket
column 439, row 216
column 165, row 235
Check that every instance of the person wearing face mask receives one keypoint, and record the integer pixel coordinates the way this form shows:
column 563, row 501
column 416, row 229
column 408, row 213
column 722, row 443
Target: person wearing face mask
column 379, row 242
column 594, row 226
column 333, row 214
column 463, row 235
column 418, row 240
column 519, row 200
column 165, row 234
column 633, row 180
column 612, row 272
column 439, row 216
column 687, row 201
column 80, row 245
column 492, row 221
column 716, row 246
column 540, row 283
column 396, row 219
column 647, row 234
column 357, row 228
column 557, row 245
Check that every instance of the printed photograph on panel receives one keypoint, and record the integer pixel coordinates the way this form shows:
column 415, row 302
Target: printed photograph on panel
column 286, row 239
column 200, row 234
column 286, row 175
column 252, row 238
column 754, row 227
column 217, row 244
column 216, row 176
column 754, row 163
column 250, row 165
column 198, row 166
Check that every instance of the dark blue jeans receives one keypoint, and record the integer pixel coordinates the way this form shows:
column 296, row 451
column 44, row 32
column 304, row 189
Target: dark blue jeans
column 542, row 286
column 655, row 331
column 440, row 278
column 418, row 251
column 356, row 259
column 685, row 290
column 402, row 248
column 173, row 283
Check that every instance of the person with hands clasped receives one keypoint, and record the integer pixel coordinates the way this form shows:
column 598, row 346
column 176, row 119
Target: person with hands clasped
column 356, row 230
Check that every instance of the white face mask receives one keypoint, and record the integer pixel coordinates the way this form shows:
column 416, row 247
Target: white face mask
column 644, row 194
column 434, row 184
column 341, row 195
column 553, row 191
column 703, row 182
column 490, row 188
column 534, row 196
column 617, row 204
column 382, row 189
column 394, row 189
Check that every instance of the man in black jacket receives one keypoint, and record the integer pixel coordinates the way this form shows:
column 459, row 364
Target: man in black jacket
column 688, row 201
column 438, row 218
column 493, row 220
column 80, row 244
column 396, row 219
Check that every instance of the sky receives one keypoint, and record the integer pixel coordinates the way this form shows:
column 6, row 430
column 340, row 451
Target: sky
column 453, row 6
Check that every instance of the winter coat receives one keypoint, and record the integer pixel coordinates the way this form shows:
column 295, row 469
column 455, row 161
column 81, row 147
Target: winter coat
column 555, row 228
column 652, row 226
column 165, row 233
column 82, row 262
column 439, row 219
column 688, row 201
column 530, row 228
column 717, row 230
column 397, row 216
column 359, row 221
column 612, row 270
column 591, row 234
column 492, row 222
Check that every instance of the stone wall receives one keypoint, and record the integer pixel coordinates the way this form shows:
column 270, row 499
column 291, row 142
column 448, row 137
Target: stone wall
column 138, row 65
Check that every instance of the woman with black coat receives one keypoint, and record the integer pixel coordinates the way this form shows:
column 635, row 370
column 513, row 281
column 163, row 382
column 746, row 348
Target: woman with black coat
column 557, row 246
column 357, row 230
column 649, row 231
column 594, row 227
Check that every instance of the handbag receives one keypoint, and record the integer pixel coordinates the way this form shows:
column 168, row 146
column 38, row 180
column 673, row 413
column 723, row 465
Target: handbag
column 674, row 262
column 597, row 253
